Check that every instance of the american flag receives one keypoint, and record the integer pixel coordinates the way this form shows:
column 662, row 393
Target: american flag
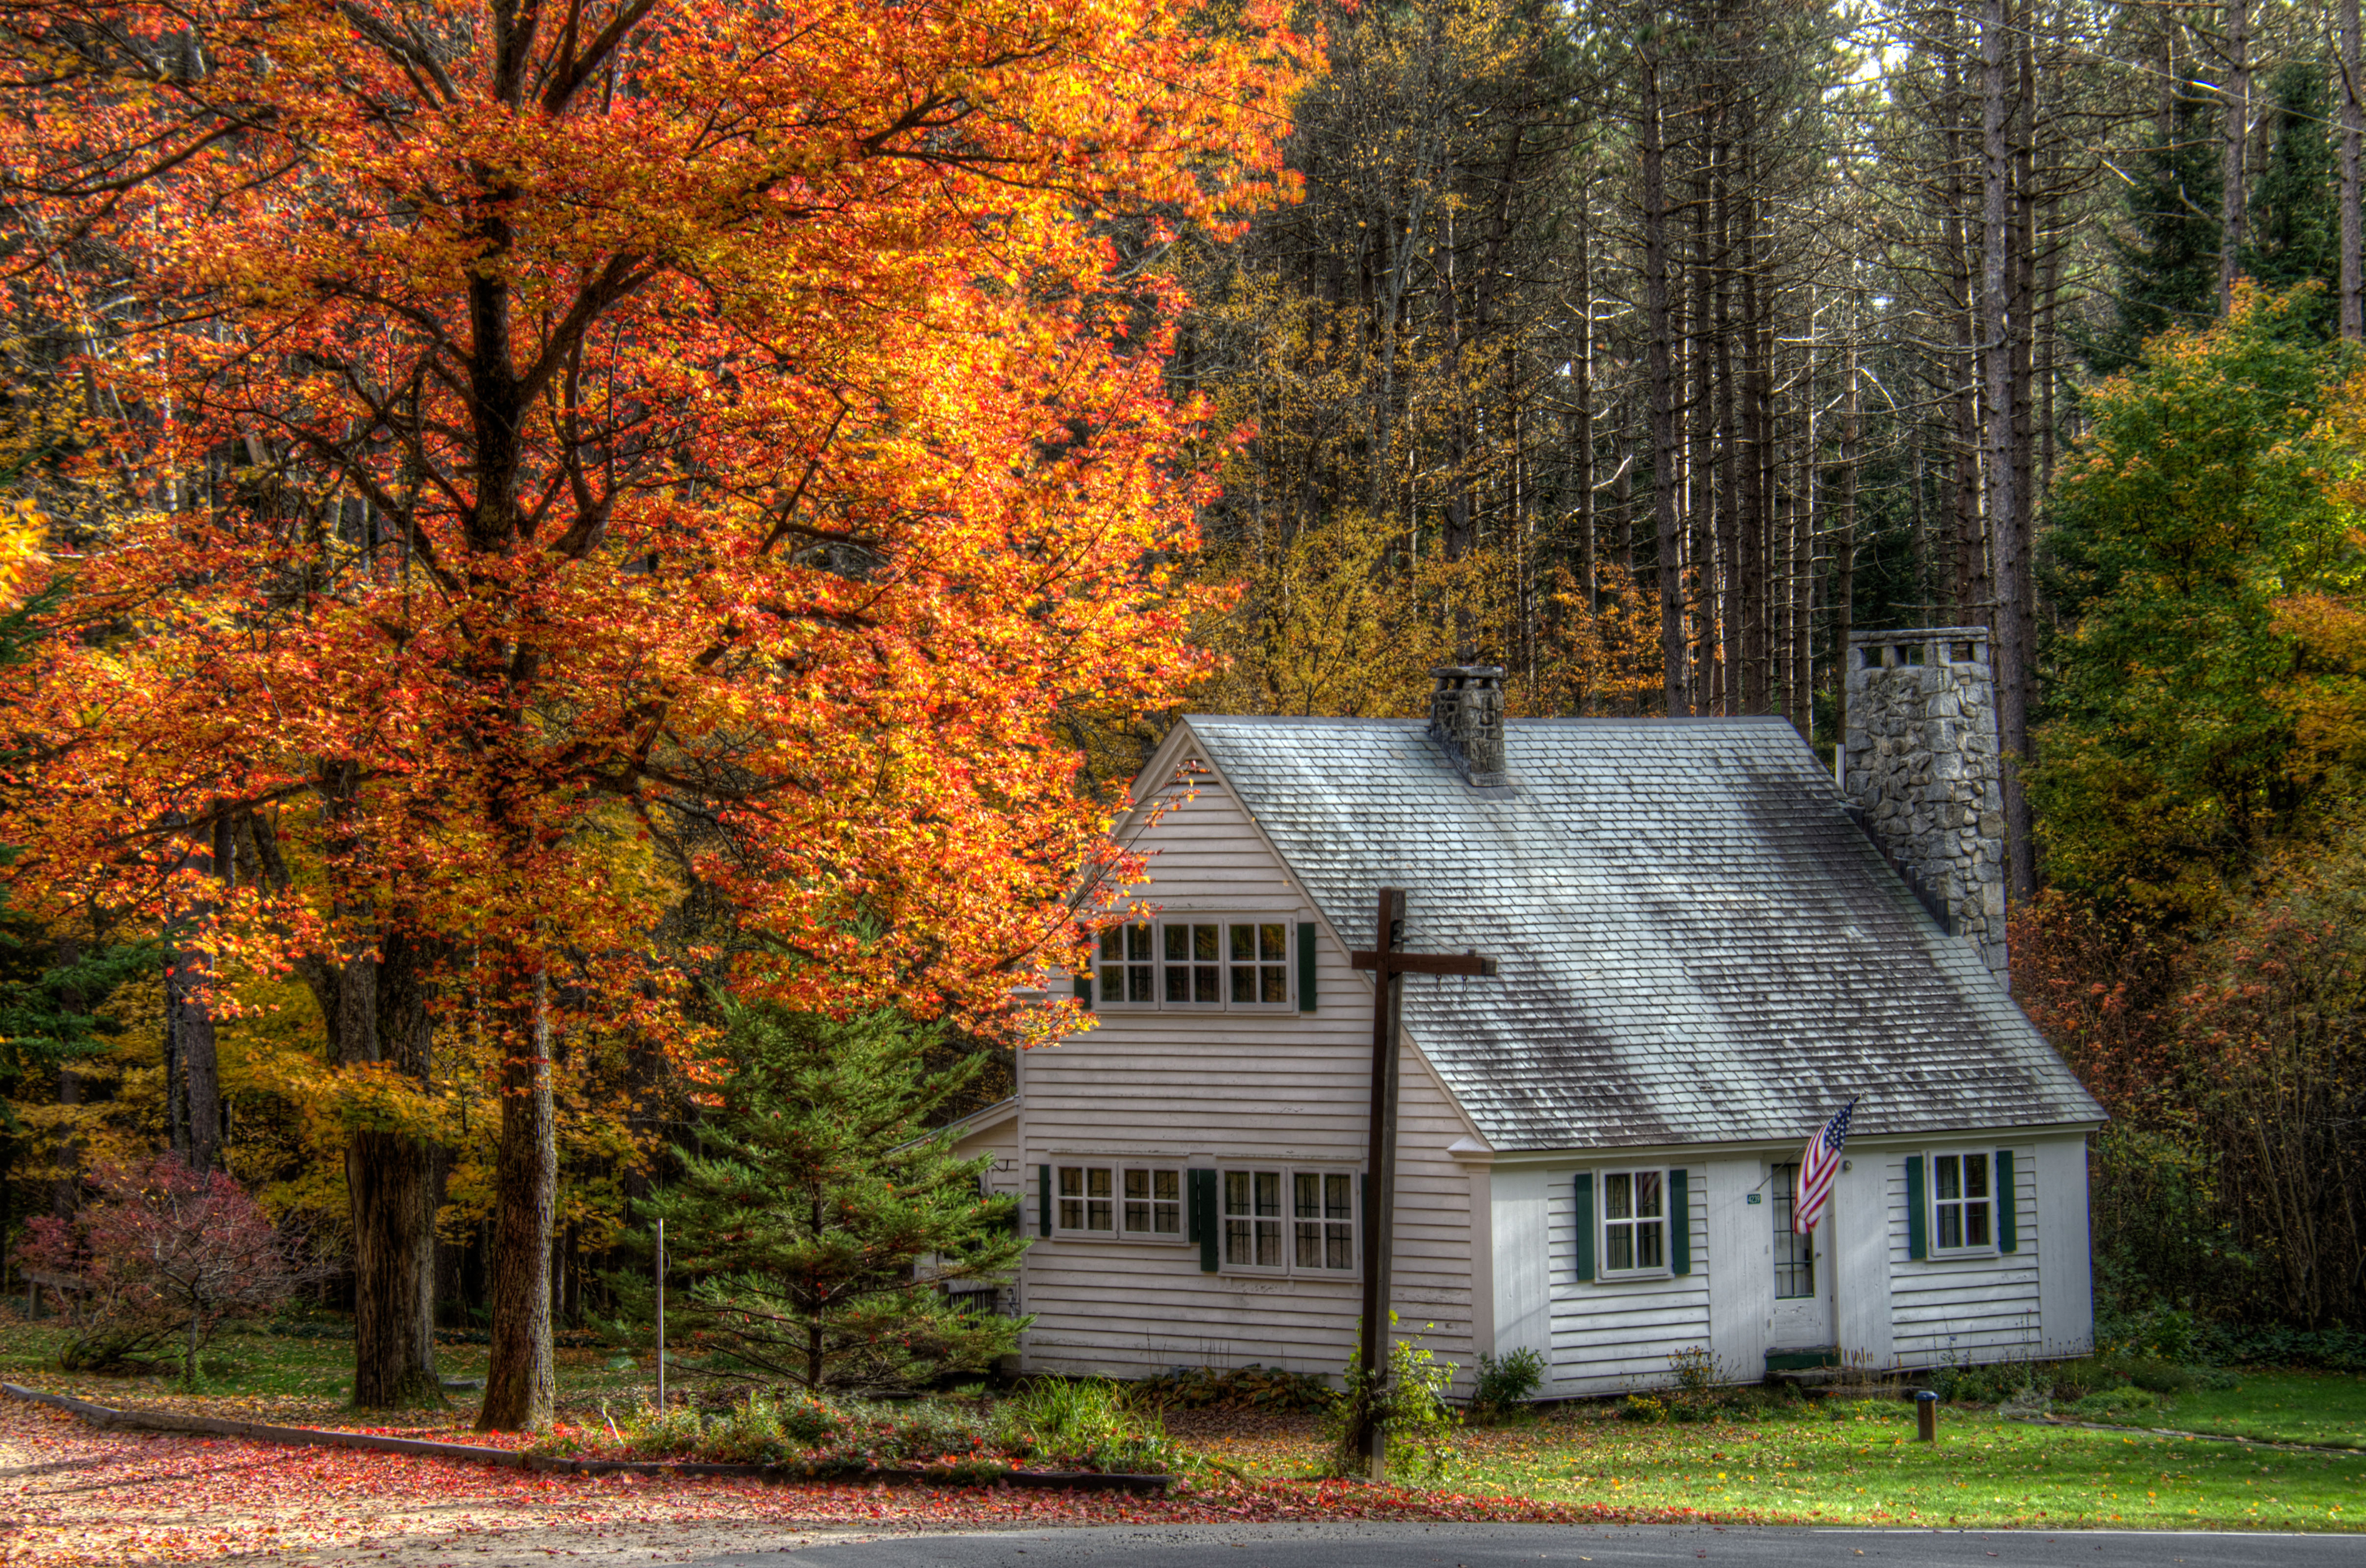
column 1817, row 1168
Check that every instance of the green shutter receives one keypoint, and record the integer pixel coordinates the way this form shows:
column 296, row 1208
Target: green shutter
column 1205, row 1222
column 1085, row 990
column 2007, row 1204
column 1917, row 1247
column 1680, row 1220
column 1043, row 1199
column 1306, row 965
column 1585, row 1225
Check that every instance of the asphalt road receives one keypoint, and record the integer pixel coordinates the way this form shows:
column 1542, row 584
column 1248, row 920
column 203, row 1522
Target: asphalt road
column 1501, row 1546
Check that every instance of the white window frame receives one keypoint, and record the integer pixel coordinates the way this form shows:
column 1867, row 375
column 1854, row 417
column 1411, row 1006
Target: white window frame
column 1083, row 1199
column 1181, row 1204
column 1933, row 1205
column 1604, row 1223
column 1287, row 1224
column 1165, row 928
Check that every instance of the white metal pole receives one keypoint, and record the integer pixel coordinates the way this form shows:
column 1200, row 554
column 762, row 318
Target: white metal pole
column 661, row 1314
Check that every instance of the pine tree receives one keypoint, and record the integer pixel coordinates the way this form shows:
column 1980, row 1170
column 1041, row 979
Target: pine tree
column 2295, row 223
column 819, row 1222
column 2167, row 260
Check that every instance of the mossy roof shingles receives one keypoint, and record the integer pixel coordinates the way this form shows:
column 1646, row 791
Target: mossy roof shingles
column 1696, row 943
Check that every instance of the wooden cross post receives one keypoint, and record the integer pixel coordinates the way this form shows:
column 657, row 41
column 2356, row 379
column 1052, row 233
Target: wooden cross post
column 1388, row 966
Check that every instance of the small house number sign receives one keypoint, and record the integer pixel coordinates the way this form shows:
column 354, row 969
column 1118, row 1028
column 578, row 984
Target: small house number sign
column 1754, row 1198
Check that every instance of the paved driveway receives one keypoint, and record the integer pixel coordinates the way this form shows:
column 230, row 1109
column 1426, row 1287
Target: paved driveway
column 1501, row 1546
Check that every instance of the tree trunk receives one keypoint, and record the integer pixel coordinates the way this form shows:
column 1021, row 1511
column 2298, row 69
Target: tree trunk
column 2006, row 526
column 391, row 1178
column 1700, row 467
column 2234, row 205
column 1973, row 594
column 520, row 1384
column 1844, row 550
column 1663, row 383
column 2354, row 132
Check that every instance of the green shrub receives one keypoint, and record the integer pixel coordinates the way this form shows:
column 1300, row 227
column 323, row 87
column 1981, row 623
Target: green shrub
column 1088, row 1424
column 1410, row 1410
column 1643, row 1407
column 1506, row 1380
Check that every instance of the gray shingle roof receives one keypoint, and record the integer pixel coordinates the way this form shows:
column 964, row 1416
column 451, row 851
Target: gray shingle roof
column 1698, row 944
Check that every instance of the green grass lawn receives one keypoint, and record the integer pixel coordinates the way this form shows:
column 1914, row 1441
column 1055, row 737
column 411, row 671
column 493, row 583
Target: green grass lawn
column 1850, row 1463
column 260, row 1377
column 1866, row 1469
column 2296, row 1407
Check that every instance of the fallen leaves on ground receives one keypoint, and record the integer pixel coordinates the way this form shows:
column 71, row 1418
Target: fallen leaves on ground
column 79, row 1495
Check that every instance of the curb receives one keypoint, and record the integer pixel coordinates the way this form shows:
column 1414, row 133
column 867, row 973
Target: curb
column 511, row 1459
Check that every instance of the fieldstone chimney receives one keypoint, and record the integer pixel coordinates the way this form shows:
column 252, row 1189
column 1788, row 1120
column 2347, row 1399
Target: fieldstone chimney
column 1466, row 719
column 1920, row 765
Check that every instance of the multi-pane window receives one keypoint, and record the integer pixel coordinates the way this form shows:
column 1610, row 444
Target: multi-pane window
column 1260, row 963
column 1300, row 1221
column 1153, row 1204
column 1253, row 1219
column 1140, row 1202
column 1795, row 1256
column 1634, row 1221
column 1087, row 1200
column 1963, row 1202
column 1194, row 963
column 1322, row 1213
column 1129, row 965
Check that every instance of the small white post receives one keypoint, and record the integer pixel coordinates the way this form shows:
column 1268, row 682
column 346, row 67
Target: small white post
column 661, row 1315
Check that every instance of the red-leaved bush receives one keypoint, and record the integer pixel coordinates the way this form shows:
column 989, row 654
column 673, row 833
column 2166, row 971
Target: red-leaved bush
column 159, row 1252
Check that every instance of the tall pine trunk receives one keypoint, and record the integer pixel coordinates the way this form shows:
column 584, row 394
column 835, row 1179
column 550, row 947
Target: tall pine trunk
column 2234, row 203
column 2006, row 527
column 1661, row 354
column 2353, row 133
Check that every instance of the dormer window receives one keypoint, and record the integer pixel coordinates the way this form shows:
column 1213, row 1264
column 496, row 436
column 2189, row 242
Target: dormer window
column 1194, row 962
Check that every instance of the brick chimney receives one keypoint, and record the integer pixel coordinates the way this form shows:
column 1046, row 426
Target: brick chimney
column 1466, row 719
column 1922, row 768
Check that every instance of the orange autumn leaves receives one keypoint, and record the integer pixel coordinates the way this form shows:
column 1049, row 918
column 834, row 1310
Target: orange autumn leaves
column 586, row 456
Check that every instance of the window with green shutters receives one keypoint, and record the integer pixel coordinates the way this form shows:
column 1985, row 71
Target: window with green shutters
column 1283, row 1221
column 1633, row 1223
column 1212, row 962
column 1961, row 1203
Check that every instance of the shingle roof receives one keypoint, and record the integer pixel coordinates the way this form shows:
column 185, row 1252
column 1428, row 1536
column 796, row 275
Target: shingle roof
column 1696, row 942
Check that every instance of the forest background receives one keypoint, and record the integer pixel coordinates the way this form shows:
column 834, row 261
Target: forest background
column 1647, row 351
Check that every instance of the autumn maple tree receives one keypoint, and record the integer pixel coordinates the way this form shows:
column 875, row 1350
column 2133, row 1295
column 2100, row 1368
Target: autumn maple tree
column 579, row 455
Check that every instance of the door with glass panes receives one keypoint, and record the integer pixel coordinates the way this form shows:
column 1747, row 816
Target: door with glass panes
column 1803, row 1285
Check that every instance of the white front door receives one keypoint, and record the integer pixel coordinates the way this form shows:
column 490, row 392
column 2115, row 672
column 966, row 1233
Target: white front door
column 1803, row 1275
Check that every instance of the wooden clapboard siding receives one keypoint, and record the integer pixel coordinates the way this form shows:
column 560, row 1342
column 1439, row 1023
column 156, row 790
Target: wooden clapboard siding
column 1966, row 1309
column 1210, row 1089
column 1610, row 1337
column 2065, row 1300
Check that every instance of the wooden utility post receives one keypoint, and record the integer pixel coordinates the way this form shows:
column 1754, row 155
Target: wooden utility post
column 1389, row 967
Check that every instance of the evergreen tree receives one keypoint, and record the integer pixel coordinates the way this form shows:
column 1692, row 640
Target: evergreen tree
column 2166, row 258
column 2296, row 219
column 819, row 1221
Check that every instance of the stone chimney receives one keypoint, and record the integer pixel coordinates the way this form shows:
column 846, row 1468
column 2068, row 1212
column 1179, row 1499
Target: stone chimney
column 1466, row 719
column 1921, row 768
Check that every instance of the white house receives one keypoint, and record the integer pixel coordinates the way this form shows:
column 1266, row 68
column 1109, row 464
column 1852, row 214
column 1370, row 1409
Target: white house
column 1706, row 948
